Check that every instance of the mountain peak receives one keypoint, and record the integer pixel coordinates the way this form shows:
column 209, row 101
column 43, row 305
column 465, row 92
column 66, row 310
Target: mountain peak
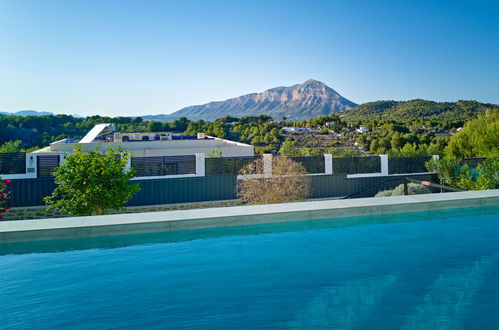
column 310, row 99
column 312, row 82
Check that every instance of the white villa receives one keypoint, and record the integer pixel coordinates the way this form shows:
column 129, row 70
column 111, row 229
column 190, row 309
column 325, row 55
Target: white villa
column 152, row 154
column 149, row 144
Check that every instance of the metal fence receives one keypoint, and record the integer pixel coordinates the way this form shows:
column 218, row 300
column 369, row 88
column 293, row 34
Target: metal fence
column 407, row 165
column 46, row 165
column 227, row 165
column 12, row 162
column 312, row 164
column 30, row 192
column 163, row 165
column 472, row 162
column 185, row 190
column 338, row 185
column 357, row 165
column 392, row 183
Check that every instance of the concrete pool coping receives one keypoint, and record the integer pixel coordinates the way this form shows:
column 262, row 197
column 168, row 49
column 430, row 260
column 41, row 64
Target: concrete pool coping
column 134, row 223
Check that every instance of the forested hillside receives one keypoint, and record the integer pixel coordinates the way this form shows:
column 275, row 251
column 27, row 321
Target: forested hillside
column 418, row 109
column 39, row 131
column 426, row 134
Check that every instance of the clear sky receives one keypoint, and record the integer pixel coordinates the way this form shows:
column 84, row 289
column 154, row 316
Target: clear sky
column 149, row 57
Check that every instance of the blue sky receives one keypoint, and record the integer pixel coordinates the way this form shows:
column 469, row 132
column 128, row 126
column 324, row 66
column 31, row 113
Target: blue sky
column 149, row 57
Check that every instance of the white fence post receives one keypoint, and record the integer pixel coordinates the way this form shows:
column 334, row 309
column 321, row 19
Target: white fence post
column 384, row 164
column 31, row 165
column 328, row 163
column 200, row 164
column 267, row 165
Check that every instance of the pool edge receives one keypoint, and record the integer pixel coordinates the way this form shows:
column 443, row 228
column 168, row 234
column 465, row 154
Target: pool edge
column 136, row 223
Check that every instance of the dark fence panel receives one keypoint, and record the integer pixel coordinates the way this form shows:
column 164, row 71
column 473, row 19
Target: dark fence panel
column 227, row 165
column 337, row 185
column 46, row 165
column 472, row 162
column 407, row 165
column 357, row 165
column 29, row 192
column 12, row 162
column 164, row 165
column 185, row 190
column 313, row 164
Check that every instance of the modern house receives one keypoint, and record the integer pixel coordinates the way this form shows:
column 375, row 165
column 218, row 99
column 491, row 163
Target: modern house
column 153, row 154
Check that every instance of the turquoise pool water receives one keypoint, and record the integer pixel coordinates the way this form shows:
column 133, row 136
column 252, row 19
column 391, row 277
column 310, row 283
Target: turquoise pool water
column 403, row 271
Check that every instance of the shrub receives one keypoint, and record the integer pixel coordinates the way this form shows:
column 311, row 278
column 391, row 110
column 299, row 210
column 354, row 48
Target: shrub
column 412, row 189
column 288, row 183
column 91, row 183
column 451, row 172
column 384, row 193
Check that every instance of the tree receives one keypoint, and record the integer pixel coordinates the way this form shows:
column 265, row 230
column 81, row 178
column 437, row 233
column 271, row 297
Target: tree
column 154, row 126
column 478, row 138
column 4, row 195
column 92, row 183
column 11, row 146
column 288, row 183
column 452, row 172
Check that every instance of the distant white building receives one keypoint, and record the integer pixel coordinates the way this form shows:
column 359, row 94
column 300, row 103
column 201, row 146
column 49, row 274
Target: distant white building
column 299, row 130
column 361, row 130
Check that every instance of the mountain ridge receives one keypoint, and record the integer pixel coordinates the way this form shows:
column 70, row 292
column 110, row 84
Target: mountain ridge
column 25, row 113
column 297, row 102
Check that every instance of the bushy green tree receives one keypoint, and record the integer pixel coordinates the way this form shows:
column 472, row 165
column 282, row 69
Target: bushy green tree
column 478, row 138
column 453, row 173
column 92, row 183
column 11, row 146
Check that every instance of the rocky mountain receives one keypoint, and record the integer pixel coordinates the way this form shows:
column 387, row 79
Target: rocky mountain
column 310, row 99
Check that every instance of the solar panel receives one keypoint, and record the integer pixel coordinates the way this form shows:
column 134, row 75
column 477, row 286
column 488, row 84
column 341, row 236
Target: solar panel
column 94, row 132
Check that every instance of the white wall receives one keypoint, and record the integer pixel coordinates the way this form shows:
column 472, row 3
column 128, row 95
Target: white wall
column 166, row 148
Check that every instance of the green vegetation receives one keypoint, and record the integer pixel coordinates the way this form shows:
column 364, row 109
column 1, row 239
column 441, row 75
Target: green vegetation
column 92, row 183
column 454, row 173
column 478, row 138
column 260, row 131
column 399, row 129
column 11, row 146
column 412, row 189
column 451, row 112
column 40, row 131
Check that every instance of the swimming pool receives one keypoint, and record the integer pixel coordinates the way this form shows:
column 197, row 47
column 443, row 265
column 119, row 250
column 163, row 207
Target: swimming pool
column 397, row 271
